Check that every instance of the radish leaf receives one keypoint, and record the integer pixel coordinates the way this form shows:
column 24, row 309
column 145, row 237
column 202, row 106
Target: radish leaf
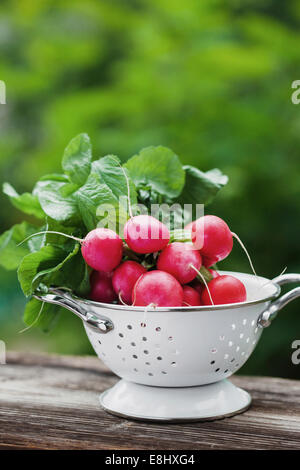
column 159, row 168
column 201, row 187
column 105, row 186
column 26, row 202
column 62, row 208
column 10, row 253
column 40, row 314
column 77, row 159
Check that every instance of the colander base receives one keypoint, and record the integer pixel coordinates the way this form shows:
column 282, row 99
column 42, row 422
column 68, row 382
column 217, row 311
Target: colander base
column 203, row 403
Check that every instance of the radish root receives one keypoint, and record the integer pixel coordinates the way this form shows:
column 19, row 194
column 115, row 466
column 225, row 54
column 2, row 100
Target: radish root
column 270, row 281
column 246, row 251
column 134, row 291
column 34, row 322
column 204, row 281
column 121, row 300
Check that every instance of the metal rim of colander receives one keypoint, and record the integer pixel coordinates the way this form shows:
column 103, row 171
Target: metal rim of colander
column 184, row 309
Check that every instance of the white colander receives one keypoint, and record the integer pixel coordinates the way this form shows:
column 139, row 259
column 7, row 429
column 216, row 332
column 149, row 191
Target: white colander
column 174, row 362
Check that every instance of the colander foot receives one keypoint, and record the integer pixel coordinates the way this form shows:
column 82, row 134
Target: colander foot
column 203, row 403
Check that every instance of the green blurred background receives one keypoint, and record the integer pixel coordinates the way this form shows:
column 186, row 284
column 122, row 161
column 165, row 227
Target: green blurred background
column 211, row 79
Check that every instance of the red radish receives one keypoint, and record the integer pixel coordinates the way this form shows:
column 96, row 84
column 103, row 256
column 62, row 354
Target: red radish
column 190, row 296
column 198, row 286
column 208, row 262
column 180, row 260
column 158, row 288
column 124, row 279
column 224, row 290
column 102, row 249
column 101, row 287
column 214, row 273
column 212, row 236
column 145, row 234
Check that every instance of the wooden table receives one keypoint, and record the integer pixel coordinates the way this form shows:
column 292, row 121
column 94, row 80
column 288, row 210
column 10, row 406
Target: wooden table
column 51, row 402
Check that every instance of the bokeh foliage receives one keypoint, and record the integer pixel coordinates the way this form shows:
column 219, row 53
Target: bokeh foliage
column 209, row 79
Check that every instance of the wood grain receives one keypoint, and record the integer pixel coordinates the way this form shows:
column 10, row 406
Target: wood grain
column 51, row 402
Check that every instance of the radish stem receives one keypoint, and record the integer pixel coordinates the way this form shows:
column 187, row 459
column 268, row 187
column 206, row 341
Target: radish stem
column 51, row 231
column 179, row 235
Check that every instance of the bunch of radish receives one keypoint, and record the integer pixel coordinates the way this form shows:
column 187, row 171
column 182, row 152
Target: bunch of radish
column 176, row 279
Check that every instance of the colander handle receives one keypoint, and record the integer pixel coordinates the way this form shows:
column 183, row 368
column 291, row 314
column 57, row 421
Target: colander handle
column 265, row 318
column 65, row 299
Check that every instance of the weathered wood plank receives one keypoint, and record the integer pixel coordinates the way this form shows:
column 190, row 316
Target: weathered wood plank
column 51, row 402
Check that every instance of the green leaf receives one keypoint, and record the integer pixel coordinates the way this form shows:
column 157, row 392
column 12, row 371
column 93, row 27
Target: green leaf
column 68, row 189
column 40, row 314
column 77, row 159
column 53, row 266
column 55, row 177
column 10, row 253
column 61, row 240
column 57, row 205
column 72, row 272
column 200, row 187
column 89, row 197
column 26, row 202
column 66, row 273
column 106, row 187
column 159, row 168
column 112, row 175
column 37, row 266
column 83, row 287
